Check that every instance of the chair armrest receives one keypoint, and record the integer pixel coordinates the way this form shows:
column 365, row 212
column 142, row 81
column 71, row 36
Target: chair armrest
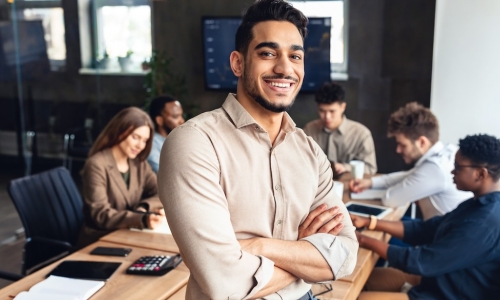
column 49, row 242
column 10, row 276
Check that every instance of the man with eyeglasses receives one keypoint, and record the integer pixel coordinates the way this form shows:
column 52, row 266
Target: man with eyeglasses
column 455, row 256
column 428, row 183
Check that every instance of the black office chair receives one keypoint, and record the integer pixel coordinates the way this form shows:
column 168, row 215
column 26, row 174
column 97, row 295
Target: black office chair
column 51, row 210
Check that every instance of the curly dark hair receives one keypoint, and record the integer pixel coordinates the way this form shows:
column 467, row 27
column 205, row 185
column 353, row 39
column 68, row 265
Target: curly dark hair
column 268, row 10
column 329, row 93
column 483, row 150
column 413, row 120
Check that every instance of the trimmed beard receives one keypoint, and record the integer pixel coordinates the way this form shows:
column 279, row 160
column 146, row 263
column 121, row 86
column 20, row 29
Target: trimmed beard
column 252, row 91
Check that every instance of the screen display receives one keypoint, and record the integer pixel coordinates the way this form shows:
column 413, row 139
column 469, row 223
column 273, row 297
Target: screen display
column 93, row 270
column 219, row 33
column 368, row 210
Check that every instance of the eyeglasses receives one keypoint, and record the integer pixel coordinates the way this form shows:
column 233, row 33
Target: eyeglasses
column 459, row 167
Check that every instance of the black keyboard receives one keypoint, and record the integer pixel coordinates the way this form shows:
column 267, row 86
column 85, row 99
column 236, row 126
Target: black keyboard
column 154, row 265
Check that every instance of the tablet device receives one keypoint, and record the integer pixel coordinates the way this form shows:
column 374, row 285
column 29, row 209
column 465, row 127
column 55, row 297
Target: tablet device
column 367, row 210
column 92, row 270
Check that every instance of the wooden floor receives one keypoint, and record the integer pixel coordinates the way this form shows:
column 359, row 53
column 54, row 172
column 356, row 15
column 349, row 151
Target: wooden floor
column 10, row 259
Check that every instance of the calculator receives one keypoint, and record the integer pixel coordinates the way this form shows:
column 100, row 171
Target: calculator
column 154, row 265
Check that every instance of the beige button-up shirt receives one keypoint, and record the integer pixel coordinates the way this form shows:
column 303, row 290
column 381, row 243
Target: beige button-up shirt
column 351, row 141
column 221, row 180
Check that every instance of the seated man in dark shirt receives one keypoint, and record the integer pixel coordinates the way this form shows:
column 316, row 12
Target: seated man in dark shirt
column 455, row 256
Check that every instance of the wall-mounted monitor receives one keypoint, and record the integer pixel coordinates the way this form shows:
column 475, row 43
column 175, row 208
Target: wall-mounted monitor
column 218, row 43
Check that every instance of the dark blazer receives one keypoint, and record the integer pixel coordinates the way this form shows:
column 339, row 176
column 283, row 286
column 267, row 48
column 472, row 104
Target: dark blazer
column 108, row 203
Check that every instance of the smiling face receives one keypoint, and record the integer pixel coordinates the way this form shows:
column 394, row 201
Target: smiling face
column 135, row 142
column 272, row 71
column 170, row 117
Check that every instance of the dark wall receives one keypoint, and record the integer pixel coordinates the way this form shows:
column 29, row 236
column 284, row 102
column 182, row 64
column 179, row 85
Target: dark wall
column 389, row 61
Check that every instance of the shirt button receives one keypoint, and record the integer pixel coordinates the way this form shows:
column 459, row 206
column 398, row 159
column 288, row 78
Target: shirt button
column 279, row 222
column 277, row 187
column 257, row 127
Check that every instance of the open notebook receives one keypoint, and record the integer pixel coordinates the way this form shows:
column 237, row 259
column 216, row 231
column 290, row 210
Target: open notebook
column 61, row 288
column 369, row 194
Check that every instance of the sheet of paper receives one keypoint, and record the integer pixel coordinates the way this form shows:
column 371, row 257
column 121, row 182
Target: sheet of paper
column 55, row 287
column 369, row 194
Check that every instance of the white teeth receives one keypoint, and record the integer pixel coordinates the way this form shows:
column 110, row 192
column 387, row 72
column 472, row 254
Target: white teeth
column 281, row 85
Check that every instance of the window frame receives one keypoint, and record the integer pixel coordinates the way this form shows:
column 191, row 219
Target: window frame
column 97, row 30
column 338, row 70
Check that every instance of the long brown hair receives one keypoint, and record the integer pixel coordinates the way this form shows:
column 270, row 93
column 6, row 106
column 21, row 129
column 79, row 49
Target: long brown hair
column 120, row 127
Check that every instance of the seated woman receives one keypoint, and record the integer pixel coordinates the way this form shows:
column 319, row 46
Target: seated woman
column 455, row 256
column 119, row 187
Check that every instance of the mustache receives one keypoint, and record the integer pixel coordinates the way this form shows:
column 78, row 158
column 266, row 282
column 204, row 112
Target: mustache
column 281, row 77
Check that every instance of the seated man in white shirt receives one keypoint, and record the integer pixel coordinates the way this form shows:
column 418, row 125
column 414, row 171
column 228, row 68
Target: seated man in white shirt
column 166, row 114
column 429, row 182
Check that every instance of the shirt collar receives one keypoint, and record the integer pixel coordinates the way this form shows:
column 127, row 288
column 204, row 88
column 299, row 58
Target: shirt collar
column 241, row 118
column 158, row 137
column 341, row 129
column 436, row 148
column 489, row 198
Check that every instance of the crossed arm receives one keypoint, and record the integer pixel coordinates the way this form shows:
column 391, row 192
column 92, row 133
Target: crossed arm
column 297, row 259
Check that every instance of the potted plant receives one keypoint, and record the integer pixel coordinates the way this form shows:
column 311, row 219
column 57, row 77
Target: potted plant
column 161, row 78
column 126, row 61
column 103, row 63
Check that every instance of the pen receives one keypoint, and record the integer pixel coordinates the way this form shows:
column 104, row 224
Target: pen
column 147, row 212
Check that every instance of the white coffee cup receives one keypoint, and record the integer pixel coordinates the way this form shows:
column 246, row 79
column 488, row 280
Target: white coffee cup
column 338, row 188
column 358, row 169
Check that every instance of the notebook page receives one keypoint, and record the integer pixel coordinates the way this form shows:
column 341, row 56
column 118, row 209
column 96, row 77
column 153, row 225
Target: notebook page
column 369, row 194
column 78, row 288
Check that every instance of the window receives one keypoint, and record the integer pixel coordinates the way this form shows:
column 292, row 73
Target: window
column 51, row 14
column 122, row 34
column 337, row 10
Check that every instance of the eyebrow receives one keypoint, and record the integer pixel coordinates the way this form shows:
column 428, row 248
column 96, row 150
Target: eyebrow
column 275, row 46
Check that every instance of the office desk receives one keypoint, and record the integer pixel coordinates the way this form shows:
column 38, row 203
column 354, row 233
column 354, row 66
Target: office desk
column 120, row 285
column 144, row 239
column 349, row 287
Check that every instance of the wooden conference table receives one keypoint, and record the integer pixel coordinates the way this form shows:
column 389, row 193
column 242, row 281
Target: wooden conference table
column 172, row 286
column 120, row 285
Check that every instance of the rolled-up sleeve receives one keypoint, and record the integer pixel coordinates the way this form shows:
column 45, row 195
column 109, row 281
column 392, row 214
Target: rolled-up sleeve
column 340, row 252
column 198, row 216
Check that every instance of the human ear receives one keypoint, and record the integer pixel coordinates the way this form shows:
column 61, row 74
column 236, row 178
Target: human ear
column 237, row 63
column 159, row 120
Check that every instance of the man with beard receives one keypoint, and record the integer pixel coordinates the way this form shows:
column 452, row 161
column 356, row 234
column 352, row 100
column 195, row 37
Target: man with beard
column 249, row 197
column 166, row 113
column 416, row 131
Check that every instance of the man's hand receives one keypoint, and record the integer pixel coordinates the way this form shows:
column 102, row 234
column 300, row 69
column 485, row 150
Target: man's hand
column 360, row 238
column 339, row 168
column 359, row 185
column 359, row 222
column 322, row 220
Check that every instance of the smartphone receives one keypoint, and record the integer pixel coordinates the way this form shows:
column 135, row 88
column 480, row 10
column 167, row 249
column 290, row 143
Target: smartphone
column 111, row 251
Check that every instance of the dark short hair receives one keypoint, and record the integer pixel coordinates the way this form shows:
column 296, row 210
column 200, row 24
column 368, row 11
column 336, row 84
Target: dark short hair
column 413, row 121
column 329, row 93
column 267, row 10
column 482, row 150
column 120, row 127
column 157, row 105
